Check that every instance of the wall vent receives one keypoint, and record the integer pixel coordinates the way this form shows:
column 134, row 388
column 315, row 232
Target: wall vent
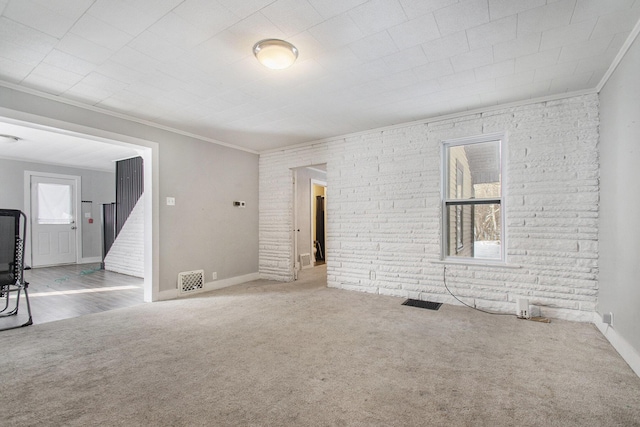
column 190, row 281
column 305, row 261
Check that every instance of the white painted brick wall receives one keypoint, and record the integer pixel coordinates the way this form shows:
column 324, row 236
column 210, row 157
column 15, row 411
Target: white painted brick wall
column 383, row 210
column 126, row 255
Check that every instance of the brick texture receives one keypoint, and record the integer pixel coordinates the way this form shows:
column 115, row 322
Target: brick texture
column 126, row 255
column 383, row 210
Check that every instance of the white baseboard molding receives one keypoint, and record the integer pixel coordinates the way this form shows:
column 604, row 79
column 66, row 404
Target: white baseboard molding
column 626, row 350
column 231, row 281
column 211, row 286
column 167, row 295
column 90, row 260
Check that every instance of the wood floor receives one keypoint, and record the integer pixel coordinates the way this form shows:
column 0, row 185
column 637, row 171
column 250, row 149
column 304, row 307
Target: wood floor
column 74, row 290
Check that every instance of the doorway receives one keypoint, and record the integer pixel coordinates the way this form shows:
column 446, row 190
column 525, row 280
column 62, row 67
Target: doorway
column 66, row 137
column 309, row 217
column 53, row 212
column 318, row 221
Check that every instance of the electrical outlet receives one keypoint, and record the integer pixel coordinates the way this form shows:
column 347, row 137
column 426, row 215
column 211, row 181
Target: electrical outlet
column 372, row 275
column 214, row 275
column 171, row 201
column 522, row 308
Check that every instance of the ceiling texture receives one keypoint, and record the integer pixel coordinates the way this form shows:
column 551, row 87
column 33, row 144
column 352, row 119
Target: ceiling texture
column 188, row 64
column 43, row 145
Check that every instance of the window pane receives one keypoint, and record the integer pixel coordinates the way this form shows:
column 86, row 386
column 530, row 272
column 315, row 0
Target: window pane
column 474, row 171
column 474, row 231
column 54, row 204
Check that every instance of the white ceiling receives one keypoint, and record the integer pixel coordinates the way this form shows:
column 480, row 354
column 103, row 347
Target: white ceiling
column 187, row 64
column 43, row 145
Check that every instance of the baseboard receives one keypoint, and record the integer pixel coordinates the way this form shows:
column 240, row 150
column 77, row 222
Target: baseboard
column 225, row 283
column 626, row 350
column 167, row 295
column 91, row 260
column 210, row 286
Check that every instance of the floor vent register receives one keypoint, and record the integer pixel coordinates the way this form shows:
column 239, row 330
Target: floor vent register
column 429, row 305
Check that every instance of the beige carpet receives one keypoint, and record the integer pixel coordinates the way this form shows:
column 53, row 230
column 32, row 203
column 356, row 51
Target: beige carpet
column 299, row 354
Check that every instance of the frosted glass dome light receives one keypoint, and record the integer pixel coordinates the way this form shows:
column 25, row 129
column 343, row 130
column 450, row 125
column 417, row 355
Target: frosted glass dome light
column 275, row 54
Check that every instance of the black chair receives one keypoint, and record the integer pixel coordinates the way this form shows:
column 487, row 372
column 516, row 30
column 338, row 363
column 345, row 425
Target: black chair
column 13, row 231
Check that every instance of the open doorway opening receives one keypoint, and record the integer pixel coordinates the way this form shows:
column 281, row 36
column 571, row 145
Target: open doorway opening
column 64, row 187
column 309, row 217
column 318, row 221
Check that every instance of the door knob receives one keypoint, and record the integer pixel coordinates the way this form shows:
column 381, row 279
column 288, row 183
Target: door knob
column 74, row 227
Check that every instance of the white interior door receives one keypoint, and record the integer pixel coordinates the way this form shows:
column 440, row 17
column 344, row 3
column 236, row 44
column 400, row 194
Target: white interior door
column 53, row 221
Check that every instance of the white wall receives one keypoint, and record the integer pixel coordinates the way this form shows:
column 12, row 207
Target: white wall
column 126, row 254
column 383, row 230
column 97, row 187
column 203, row 230
column 620, row 198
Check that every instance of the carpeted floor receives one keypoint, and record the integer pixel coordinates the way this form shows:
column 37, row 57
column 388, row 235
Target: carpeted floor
column 299, row 354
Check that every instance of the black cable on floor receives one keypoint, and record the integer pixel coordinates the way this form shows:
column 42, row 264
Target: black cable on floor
column 444, row 280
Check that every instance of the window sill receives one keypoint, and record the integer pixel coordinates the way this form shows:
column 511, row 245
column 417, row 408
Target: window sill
column 495, row 264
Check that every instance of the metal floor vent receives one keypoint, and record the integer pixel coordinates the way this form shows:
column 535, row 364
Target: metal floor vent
column 190, row 281
column 305, row 260
column 422, row 304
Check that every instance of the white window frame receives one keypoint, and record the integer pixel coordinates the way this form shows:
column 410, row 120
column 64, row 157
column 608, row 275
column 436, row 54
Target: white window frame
column 501, row 137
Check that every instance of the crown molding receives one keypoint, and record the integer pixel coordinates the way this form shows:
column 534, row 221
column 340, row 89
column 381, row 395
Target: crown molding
column 616, row 61
column 95, row 109
column 434, row 119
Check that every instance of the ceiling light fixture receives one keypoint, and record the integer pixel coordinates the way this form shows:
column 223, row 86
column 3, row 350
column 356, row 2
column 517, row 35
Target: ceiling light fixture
column 9, row 139
column 275, row 54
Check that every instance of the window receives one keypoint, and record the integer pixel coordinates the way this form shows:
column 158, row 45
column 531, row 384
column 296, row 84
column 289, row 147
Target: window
column 54, row 204
column 472, row 199
column 459, row 186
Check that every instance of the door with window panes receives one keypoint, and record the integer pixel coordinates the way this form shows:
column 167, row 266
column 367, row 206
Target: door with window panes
column 53, row 221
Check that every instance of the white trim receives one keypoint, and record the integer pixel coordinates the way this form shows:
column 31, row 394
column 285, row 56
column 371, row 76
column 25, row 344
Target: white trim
column 317, row 170
column 210, row 286
column 501, row 137
column 504, row 192
column 120, row 115
column 149, row 152
column 435, row 119
column 621, row 53
column 295, row 265
column 480, row 263
column 626, row 350
column 151, row 201
column 231, row 281
column 475, row 139
column 167, row 295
